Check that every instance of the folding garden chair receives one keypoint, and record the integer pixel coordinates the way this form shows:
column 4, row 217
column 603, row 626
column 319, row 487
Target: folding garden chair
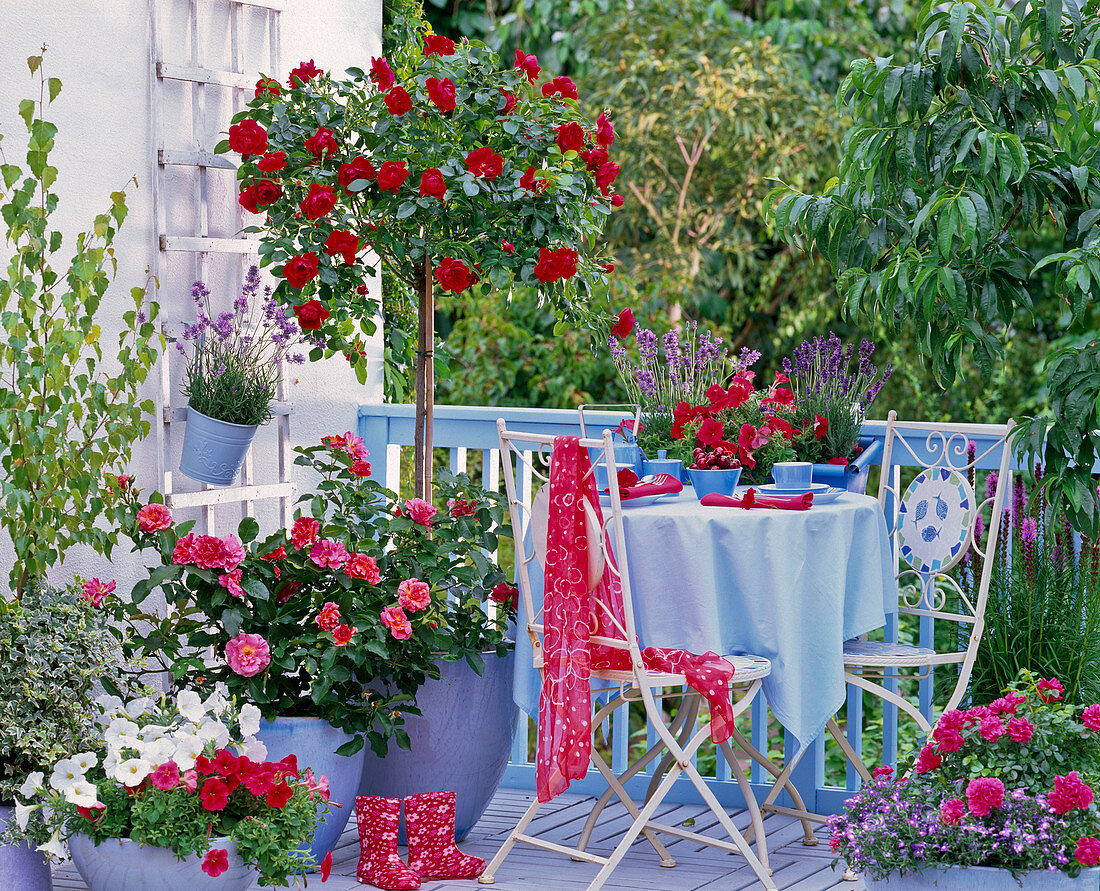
column 527, row 456
column 935, row 524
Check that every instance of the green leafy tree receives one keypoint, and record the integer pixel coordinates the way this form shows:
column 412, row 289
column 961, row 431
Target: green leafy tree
column 958, row 158
column 68, row 418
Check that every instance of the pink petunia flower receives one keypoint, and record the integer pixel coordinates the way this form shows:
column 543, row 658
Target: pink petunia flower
column 166, row 776
column 215, row 862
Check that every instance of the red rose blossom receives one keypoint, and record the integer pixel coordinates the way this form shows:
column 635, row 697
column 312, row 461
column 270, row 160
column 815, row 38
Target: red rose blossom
column 1090, row 717
column 248, row 199
column 507, row 247
column 381, row 74
column 617, row 200
column 358, row 168
column 594, row 158
column 454, row 275
column 436, row 44
column 1050, row 689
column 300, row 269
column 606, row 175
column 952, row 811
column 344, row 243
column 272, row 161
column 984, row 794
column 484, row 162
column 342, row 634
column 248, row 138
column 303, row 74
column 528, row 63
column 505, row 594
column 554, row 265
column 562, row 86
column 624, row 324
column 510, row 102
column 605, row 132
column 267, row 85
column 304, row 532
column 321, row 143
column 319, row 201
column 570, row 137
column 432, row 183
column 530, row 183
column 929, row 759
column 311, row 314
column 1069, row 793
column 1088, row 851
column 442, row 93
column 398, row 101
column 391, row 175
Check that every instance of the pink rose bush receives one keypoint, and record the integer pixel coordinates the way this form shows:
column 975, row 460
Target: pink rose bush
column 311, row 614
column 992, row 787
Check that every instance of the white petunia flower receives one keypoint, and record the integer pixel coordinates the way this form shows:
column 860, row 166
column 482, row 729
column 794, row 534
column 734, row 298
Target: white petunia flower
column 217, row 702
column 216, row 732
column 188, row 748
column 255, row 750
column 153, row 731
column 32, row 785
column 23, row 813
column 111, row 761
column 83, row 794
column 160, row 750
column 121, row 733
column 132, row 771
column 110, row 705
column 55, row 847
column 249, row 720
column 65, row 773
column 137, row 707
column 86, row 761
column 190, row 705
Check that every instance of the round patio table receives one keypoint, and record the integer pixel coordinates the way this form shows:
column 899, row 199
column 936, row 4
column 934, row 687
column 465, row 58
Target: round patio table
column 791, row 586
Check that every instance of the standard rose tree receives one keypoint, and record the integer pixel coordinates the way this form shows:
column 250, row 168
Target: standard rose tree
column 453, row 170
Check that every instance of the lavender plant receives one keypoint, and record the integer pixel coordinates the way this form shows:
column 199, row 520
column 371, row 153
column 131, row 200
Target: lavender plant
column 236, row 356
column 826, row 385
column 678, row 367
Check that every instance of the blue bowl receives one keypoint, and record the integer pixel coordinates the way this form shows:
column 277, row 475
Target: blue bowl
column 708, row 482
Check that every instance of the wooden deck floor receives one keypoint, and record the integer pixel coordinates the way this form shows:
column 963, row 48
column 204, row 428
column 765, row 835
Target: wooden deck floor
column 796, row 867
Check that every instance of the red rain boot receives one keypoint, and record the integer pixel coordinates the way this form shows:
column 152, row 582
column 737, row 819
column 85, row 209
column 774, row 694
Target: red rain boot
column 379, row 863
column 430, row 826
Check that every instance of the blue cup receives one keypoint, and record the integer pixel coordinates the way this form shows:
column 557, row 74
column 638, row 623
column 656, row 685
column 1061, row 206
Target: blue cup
column 710, row 482
column 792, row 474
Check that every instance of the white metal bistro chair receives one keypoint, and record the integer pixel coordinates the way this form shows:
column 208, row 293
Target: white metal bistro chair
column 528, row 457
column 932, row 524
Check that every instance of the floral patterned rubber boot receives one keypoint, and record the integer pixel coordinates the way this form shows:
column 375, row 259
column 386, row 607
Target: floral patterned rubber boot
column 379, row 863
column 430, row 826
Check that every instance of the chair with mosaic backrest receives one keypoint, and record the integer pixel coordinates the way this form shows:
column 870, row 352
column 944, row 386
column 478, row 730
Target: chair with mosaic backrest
column 526, row 461
column 943, row 567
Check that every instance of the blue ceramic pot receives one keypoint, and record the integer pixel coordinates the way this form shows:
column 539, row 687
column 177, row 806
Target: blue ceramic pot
column 314, row 741
column 20, row 865
column 213, row 450
column 116, row 864
column 709, row 482
column 984, row 878
column 460, row 743
column 674, row 467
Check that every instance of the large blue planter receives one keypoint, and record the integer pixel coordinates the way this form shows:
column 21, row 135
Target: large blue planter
column 116, row 864
column 460, row 744
column 984, row 878
column 314, row 741
column 21, row 866
column 213, row 450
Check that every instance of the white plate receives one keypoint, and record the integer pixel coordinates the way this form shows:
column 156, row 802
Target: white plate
column 829, row 496
column 815, row 488
column 605, row 498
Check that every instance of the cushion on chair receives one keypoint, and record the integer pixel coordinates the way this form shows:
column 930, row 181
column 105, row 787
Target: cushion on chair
column 883, row 654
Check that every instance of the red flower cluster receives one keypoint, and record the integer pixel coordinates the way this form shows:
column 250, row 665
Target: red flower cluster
column 398, row 101
column 1069, row 793
column 560, row 86
column 248, row 138
column 318, row 202
column 312, row 313
column 267, row 85
column 356, row 169
column 258, row 195
column 556, row 265
column 321, row 143
column 391, row 175
column 441, row 93
column 454, row 275
column 344, row 244
column 536, row 186
column 528, row 63
column 382, row 74
column 435, row 44
column 432, row 183
column 228, row 772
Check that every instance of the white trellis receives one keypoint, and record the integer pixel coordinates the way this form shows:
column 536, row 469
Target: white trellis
column 209, row 83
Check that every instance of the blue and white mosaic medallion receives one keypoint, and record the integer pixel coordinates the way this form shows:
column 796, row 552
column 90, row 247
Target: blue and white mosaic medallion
column 935, row 517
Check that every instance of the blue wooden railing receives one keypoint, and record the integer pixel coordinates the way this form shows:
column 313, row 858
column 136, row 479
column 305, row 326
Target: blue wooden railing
column 464, row 430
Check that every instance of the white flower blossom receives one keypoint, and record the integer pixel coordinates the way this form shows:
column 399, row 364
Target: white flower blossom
column 218, row 701
column 190, row 705
column 55, row 847
column 111, row 761
column 132, row 771
column 83, row 794
column 65, row 773
column 249, row 720
column 110, row 705
column 255, row 750
column 160, row 750
column 137, row 707
column 32, row 785
column 153, row 732
column 86, row 761
column 23, row 813
column 188, row 748
column 214, row 731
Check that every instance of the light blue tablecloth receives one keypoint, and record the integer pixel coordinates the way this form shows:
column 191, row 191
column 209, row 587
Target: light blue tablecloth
column 788, row 585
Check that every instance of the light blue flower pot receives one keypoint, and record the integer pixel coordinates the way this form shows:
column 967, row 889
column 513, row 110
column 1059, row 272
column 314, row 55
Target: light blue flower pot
column 984, row 878
column 213, row 450
column 460, row 743
column 20, row 865
column 116, row 864
column 314, row 741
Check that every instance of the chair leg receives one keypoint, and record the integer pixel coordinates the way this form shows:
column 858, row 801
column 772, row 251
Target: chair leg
column 850, row 753
column 757, row 828
column 682, row 732
column 803, row 813
column 486, row 878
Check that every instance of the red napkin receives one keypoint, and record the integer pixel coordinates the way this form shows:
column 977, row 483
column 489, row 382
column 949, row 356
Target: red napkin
column 629, row 487
column 751, row 499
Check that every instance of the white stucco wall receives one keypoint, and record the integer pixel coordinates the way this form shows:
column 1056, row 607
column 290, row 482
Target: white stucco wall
column 101, row 51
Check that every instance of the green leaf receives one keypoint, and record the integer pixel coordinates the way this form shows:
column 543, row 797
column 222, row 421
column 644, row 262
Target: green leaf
column 54, row 86
column 248, row 529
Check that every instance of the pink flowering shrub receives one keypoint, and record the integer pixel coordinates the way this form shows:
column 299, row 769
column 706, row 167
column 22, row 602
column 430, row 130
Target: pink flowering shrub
column 363, row 590
column 1007, row 784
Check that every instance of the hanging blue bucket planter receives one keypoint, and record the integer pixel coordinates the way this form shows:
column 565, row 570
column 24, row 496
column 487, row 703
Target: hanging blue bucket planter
column 213, row 450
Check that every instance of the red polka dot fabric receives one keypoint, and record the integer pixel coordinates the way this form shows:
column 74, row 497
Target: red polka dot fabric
column 572, row 614
column 430, row 827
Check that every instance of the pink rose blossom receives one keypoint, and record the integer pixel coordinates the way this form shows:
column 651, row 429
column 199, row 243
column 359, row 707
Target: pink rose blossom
column 154, row 517
column 952, row 811
column 329, row 554
column 329, row 616
column 304, row 532
column 1069, row 794
column 992, row 729
column 232, row 552
column 184, row 551
column 394, row 618
column 420, row 511
column 247, row 654
column 166, row 776
column 1020, row 729
column 1090, row 717
column 208, row 552
column 94, row 591
column 363, row 566
column 949, row 740
column 1050, row 689
column 414, row 595
column 984, row 794
column 1088, row 851
column 231, row 581
column 1003, row 706
column 929, row 759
